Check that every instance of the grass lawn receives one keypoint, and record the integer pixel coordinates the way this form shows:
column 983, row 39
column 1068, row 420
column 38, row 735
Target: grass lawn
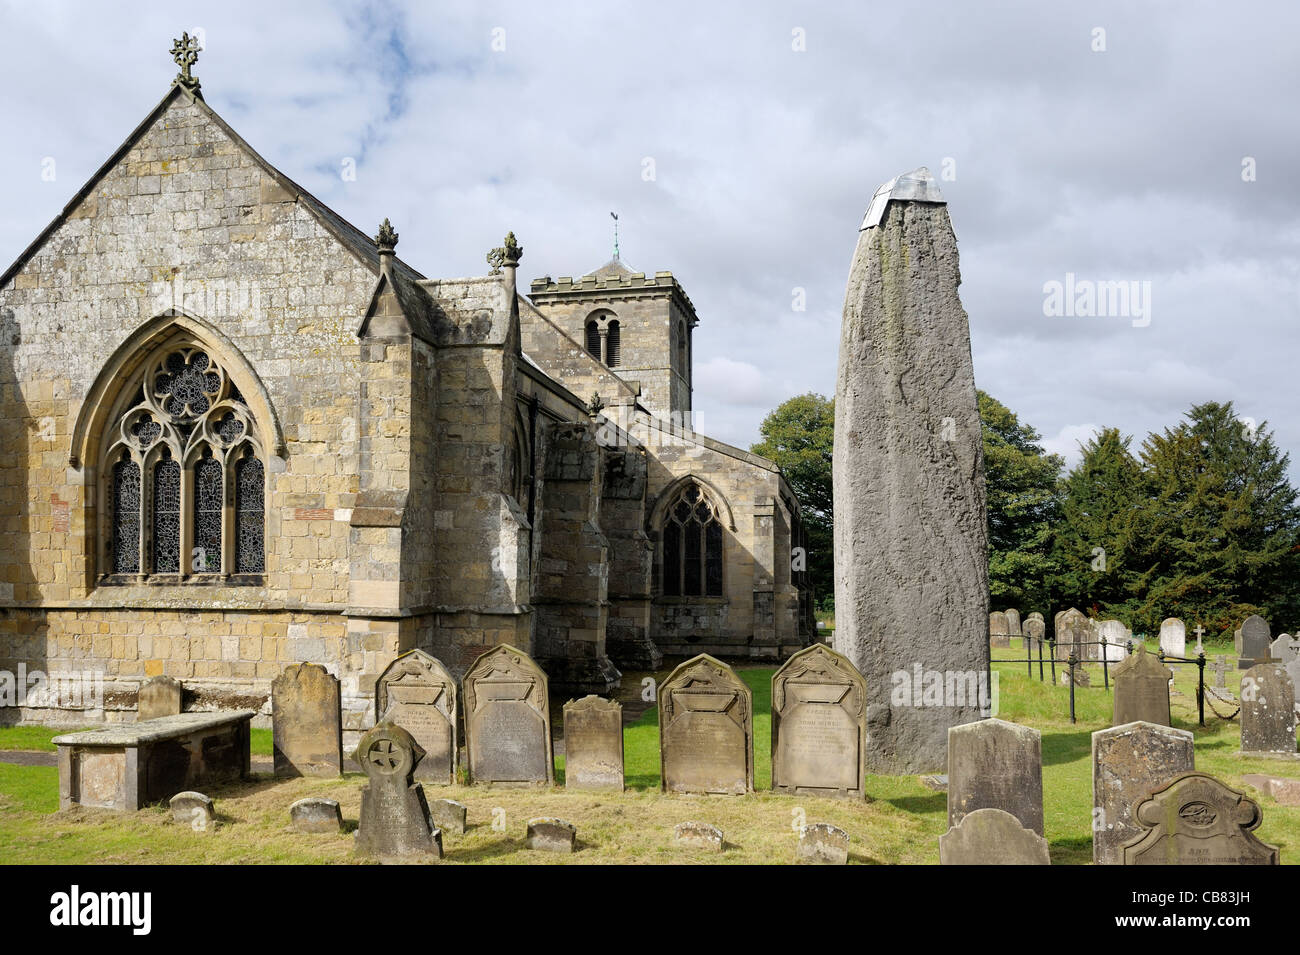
column 900, row 824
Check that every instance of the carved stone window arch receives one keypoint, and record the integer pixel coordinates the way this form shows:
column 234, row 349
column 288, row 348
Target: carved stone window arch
column 692, row 544
column 603, row 337
column 183, row 474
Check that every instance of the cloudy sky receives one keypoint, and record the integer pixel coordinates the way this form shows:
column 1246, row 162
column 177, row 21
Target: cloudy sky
column 1147, row 143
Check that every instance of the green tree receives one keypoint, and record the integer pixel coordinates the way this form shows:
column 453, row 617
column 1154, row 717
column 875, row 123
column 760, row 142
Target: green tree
column 799, row 437
column 1020, row 485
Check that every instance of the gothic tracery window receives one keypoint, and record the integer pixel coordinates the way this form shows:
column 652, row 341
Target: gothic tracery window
column 185, row 489
column 692, row 545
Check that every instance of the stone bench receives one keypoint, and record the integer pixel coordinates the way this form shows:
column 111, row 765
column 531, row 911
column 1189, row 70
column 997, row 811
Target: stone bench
column 137, row 764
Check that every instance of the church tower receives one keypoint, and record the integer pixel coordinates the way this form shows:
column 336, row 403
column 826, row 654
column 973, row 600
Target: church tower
column 638, row 327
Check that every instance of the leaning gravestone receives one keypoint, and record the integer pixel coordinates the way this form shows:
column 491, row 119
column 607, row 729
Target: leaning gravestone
column 706, row 729
column 508, row 720
column 160, row 696
column 1197, row 820
column 992, row 837
column 1173, row 637
column 307, row 722
column 1129, row 762
column 1256, row 642
column 1284, row 649
column 395, row 820
column 418, row 694
column 1013, row 621
column 1268, row 710
column 1035, row 630
column 911, row 533
column 993, row 764
column 1141, row 690
column 316, row 814
column 999, row 630
column 819, row 725
column 593, row 744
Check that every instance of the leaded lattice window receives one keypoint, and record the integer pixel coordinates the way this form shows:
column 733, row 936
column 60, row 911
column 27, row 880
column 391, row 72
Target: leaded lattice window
column 187, row 431
column 692, row 546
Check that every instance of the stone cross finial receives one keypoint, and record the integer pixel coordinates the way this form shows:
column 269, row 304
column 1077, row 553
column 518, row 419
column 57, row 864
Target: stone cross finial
column 508, row 254
column 185, row 52
column 386, row 239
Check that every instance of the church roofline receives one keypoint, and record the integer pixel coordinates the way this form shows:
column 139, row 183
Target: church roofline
column 352, row 238
column 598, row 284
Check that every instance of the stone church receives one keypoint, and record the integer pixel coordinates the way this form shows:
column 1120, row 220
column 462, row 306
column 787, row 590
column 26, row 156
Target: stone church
column 239, row 433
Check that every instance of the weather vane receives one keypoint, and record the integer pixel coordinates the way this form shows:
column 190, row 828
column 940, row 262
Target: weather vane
column 614, row 215
column 185, row 52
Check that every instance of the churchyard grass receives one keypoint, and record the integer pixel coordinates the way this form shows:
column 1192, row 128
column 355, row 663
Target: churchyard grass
column 901, row 823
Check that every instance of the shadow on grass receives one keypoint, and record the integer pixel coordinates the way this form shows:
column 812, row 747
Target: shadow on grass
column 1066, row 747
column 935, row 802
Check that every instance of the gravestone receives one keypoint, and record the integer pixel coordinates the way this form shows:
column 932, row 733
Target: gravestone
column 508, row 720
column 992, row 837
column 1256, row 642
column 1197, row 820
column 1115, row 637
column 1173, row 637
column 418, row 694
column 1293, row 671
column 706, row 729
column 160, row 696
column 908, row 455
column 1074, row 634
column 395, row 820
column 1129, row 762
column 307, row 722
column 1236, row 641
column 822, row 844
column 593, row 744
column 993, row 764
column 1268, row 716
column 546, row 834
column 1285, row 791
column 194, row 811
column 819, row 725
column 1200, row 646
column 1035, row 615
column 449, row 815
column 1013, row 621
column 698, row 835
column 999, row 630
column 1078, row 674
column 1284, row 649
column 1220, row 672
column 1035, row 630
column 1141, row 689
column 316, row 814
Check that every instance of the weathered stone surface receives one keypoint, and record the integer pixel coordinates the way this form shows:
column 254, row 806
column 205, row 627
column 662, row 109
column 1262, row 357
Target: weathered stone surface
column 1284, row 649
column 1074, row 633
column 160, row 696
column 819, row 725
column 936, row 781
column 1079, row 674
column 1173, row 637
column 698, row 835
column 1116, row 637
column 418, row 694
column 1220, row 667
column 1129, row 762
column 992, row 837
column 316, row 814
column 193, row 810
column 1285, row 791
column 508, row 720
column 1256, row 642
column 822, row 844
column 1035, row 631
column 1141, row 689
column 999, row 629
column 449, row 815
column 911, row 534
column 593, row 744
column 706, row 729
column 1268, row 717
column 1197, row 820
column 307, row 722
column 395, row 819
column 1013, row 621
column 551, row 835
column 993, row 764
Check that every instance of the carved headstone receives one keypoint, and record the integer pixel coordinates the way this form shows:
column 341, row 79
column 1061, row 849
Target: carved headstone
column 1236, row 641
column 698, row 835
column 1284, row 649
column 1078, row 675
column 593, row 744
column 449, row 815
column 822, row 844
column 1013, row 621
column 508, row 720
column 1256, row 642
column 1130, row 762
column 993, row 764
column 194, row 811
column 316, row 814
column 1116, row 637
column 911, row 532
column 1074, row 633
column 706, row 729
column 819, row 725
column 1173, row 637
column 551, row 835
column 160, row 696
column 1220, row 671
column 395, row 820
column 992, row 837
column 1268, row 717
column 1197, row 820
column 1141, row 689
column 418, row 694
column 307, row 722
column 1035, row 630
column 999, row 629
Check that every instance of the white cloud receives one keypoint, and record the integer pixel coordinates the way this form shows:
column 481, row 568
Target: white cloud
column 1068, row 441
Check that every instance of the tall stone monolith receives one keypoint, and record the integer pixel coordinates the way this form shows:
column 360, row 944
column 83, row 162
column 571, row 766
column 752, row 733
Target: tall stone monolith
column 911, row 579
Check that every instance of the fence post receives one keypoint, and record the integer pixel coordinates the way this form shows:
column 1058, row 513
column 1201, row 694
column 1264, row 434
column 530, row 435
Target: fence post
column 1200, row 685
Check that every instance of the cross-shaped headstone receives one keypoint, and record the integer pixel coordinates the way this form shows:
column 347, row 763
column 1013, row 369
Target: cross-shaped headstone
column 1200, row 632
column 1220, row 671
column 185, row 52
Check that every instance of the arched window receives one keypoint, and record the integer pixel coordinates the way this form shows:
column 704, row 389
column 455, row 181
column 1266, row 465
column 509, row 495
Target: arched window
column 612, row 345
column 593, row 339
column 187, row 430
column 692, row 545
